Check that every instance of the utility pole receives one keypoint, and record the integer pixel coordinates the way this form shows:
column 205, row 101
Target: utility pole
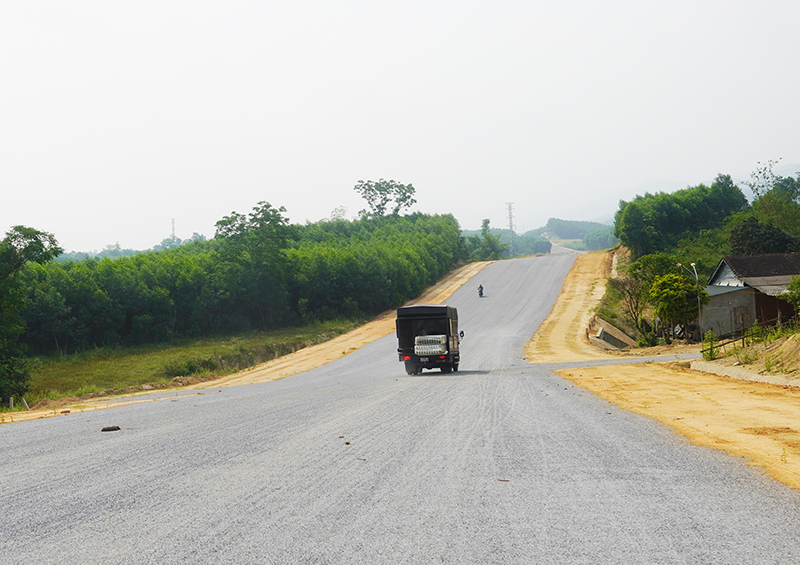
column 697, row 286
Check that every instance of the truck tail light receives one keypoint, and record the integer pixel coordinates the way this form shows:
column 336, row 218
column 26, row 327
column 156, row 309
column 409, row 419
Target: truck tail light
column 406, row 358
column 442, row 356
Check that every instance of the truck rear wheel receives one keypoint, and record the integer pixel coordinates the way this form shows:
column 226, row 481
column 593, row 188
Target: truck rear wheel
column 447, row 368
column 411, row 369
column 455, row 367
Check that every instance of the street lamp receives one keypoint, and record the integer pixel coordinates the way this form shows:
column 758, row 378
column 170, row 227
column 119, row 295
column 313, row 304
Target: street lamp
column 697, row 286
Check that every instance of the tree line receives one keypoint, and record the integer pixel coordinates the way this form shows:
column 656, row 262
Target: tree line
column 258, row 272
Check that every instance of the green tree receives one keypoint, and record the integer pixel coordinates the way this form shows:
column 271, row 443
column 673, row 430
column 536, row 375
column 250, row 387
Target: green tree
column 541, row 245
column 572, row 229
column 380, row 194
column 649, row 267
column 20, row 246
column 751, row 237
column 778, row 208
column 792, row 294
column 762, row 180
column 656, row 222
column 487, row 247
column 675, row 299
column 602, row 238
column 634, row 297
column 254, row 268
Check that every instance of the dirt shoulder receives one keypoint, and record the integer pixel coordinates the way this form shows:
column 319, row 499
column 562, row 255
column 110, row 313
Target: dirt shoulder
column 745, row 418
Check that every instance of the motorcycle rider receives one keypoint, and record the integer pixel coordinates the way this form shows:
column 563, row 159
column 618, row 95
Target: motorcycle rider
column 480, row 291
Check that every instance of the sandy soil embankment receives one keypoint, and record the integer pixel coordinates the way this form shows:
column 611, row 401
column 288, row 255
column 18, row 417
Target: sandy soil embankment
column 754, row 420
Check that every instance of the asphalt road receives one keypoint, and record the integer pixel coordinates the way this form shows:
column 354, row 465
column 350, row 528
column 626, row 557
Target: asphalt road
column 502, row 462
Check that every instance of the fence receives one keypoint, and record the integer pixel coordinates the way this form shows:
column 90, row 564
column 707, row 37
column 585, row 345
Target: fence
column 757, row 330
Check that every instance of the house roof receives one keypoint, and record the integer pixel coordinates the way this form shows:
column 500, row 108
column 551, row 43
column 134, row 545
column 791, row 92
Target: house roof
column 770, row 273
column 771, row 264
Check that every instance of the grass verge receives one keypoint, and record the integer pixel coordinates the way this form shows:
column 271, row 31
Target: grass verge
column 110, row 371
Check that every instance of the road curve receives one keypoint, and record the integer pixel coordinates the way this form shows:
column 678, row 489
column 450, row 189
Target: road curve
column 356, row 462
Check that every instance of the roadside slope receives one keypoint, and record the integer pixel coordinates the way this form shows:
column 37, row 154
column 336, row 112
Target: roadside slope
column 562, row 336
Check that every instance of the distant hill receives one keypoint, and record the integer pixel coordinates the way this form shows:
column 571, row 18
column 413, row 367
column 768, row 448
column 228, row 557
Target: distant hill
column 567, row 229
column 591, row 235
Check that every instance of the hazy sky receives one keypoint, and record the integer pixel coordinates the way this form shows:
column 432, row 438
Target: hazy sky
column 118, row 117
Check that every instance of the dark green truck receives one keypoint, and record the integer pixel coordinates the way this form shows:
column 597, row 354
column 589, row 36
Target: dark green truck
column 428, row 338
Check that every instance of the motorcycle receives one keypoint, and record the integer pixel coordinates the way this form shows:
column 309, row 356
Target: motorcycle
column 480, row 291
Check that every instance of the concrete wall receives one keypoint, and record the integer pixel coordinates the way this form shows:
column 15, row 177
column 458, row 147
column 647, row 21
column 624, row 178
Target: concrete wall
column 603, row 330
column 719, row 314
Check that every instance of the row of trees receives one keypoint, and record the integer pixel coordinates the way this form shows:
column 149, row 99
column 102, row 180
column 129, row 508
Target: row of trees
column 259, row 272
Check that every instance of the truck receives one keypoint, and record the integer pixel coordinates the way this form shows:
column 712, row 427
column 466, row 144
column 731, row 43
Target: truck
column 428, row 338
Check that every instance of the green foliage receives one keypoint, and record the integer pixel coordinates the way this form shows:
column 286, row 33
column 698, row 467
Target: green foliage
column 370, row 265
column 792, row 294
column 115, row 369
column 632, row 294
column 572, row 229
column 751, row 237
column 675, row 298
column 379, row 194
column 779, row 209
column 20, row 246
column 704, row 249
column 258, row 273
column 253, row 266
column 529, row 244
column 487, row 246
column 763, row 179
column 772, row 224
column 710, row 348
column 649, row 267
column 25, row 245
column 515, row 245
column 601, row 238
column 653, row 223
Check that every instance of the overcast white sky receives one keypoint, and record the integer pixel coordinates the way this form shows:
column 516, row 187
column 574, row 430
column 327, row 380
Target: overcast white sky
column 118, row 117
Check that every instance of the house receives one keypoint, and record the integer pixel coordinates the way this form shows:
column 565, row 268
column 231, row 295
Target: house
column 746, row 290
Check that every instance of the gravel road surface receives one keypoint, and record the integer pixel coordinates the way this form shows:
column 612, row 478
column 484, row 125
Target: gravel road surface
column 356, row 462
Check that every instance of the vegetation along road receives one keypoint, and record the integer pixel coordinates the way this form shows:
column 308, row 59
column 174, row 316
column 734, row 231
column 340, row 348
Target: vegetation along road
column 356, row 462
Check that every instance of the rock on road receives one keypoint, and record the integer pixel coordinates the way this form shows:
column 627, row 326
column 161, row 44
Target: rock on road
column 356, row 462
